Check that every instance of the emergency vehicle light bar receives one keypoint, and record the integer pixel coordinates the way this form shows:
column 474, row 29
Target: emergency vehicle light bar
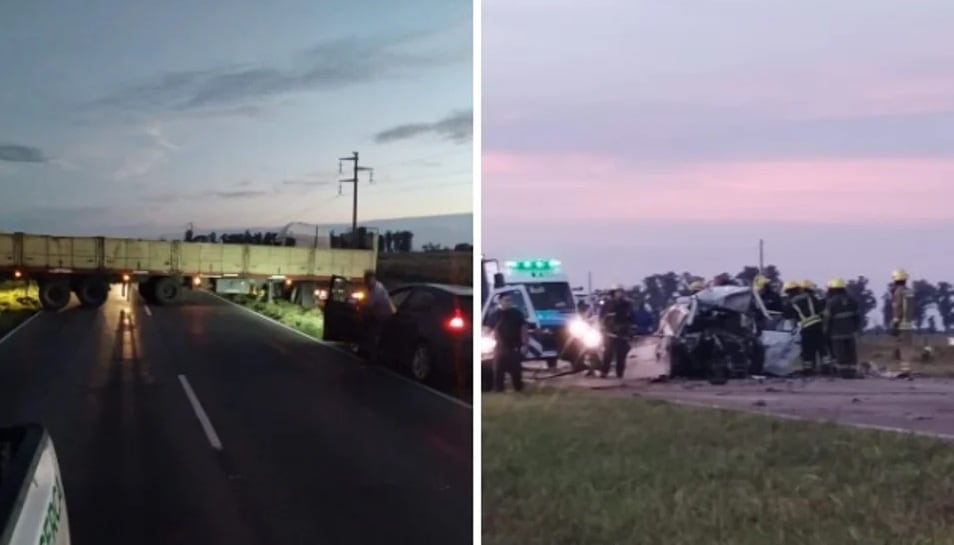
column 533, row 264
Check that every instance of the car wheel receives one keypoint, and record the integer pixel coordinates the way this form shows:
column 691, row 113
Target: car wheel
column 421, row 363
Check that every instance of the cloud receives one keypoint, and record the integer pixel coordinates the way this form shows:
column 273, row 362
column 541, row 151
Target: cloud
column 807, row 190
column 457, row 127
column 155, row 152
column 236, row 194
column 222, row 194
column 16, row 153
column 242, row 88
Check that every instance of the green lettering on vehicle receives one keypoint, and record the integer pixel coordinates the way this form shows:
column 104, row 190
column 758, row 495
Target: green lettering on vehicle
column 54, row 511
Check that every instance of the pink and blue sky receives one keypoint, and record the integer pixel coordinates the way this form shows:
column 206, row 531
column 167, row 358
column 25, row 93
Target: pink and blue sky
column 628, row 137
column 135, row 118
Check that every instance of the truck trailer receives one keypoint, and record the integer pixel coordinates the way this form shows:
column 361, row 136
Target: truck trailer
column 87, row 266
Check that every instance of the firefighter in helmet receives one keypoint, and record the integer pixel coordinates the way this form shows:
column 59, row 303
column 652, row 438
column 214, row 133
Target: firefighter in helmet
column 842, row 321
column 696, row 286
column 770, row 298
column 902, row 326
column 804, row 309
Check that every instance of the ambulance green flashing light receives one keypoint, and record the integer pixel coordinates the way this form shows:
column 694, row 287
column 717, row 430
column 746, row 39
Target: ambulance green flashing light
column 534, row 265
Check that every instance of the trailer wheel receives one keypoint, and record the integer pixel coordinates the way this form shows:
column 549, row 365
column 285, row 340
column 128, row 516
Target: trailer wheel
column 92, row 291
column 54, row 294
column 166, row 290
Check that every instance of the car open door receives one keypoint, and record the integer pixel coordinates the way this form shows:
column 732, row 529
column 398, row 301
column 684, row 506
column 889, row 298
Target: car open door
column 341, row 313
column 32, row 502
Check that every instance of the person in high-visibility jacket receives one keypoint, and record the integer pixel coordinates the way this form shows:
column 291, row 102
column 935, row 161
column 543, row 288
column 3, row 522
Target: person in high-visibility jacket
column 828, row 354
column 902, row 327
column 804, row 309
column 842, row 320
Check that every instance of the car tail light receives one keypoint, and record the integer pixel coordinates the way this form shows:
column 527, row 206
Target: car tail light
column 456, row 323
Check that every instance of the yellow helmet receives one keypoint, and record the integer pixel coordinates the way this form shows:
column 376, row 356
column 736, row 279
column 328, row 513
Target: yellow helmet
column 899, row 275
column 836, row 284
column 808, row 285
column 696, row 285
column 790, row 285
column 760, row 282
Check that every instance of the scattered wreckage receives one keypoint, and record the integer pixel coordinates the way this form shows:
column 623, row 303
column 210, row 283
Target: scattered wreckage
column 722, row 332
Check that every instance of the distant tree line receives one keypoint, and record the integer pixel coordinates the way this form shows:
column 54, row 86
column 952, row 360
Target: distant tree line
column 388, row 242
column 658, row 291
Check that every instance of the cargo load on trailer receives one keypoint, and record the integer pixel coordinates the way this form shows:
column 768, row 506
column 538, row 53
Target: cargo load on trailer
column 87, row 266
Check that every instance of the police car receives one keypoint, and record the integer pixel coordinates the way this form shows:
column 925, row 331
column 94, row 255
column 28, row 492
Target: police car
column 542, row 292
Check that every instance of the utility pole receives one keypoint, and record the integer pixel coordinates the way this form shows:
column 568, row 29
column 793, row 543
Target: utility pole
column 354, row 211
column 761, row 256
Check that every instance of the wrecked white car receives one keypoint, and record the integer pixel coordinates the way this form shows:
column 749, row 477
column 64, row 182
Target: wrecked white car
column 719, row 333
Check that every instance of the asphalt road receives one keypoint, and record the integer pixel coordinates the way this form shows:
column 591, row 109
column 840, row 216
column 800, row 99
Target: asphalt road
column 922, row 405
column 200, row 423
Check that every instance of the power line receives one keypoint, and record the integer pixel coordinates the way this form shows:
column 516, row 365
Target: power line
column 429, row 157
column 415, row 179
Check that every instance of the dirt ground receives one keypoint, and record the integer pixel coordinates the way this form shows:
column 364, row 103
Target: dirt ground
column 923, row 404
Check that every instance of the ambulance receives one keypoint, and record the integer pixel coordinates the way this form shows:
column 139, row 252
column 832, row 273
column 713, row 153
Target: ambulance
column 541, row 290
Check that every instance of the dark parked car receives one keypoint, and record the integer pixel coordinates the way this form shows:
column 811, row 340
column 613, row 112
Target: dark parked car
column 430, row 336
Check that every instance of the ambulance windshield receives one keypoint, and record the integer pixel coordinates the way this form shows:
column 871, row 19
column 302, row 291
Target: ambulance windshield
column 551, row 296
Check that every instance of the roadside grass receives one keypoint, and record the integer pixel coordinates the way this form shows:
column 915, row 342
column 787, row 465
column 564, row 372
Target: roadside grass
column 18, row 301
column 568, row 467
column 308, row 321
column 438, row 267
column 879, row 349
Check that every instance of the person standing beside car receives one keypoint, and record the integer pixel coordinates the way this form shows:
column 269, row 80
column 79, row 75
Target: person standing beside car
column 377, row 310
column 509, row 327
column 617, row 320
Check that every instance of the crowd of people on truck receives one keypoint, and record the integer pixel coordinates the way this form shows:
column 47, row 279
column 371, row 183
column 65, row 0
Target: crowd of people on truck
column 828, row 324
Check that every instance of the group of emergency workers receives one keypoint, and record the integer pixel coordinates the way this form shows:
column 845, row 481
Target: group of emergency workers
column 828, row 323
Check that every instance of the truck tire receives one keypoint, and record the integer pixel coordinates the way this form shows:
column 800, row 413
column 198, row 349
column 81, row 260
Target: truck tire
column 166, row 290
column 54, row 294
column 92, row 291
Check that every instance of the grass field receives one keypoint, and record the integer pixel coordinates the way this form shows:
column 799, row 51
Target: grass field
column 17, row 303
column 309, row 321
column 879, row 349
column 568, row 468
column 437, row 267
column 393, row 269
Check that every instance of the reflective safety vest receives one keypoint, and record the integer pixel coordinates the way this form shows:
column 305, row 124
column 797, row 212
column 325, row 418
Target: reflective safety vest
column 805, row 319
column 901, row 307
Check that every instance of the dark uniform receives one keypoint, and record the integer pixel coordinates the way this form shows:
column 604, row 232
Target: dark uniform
column 803, row 307
column 508, row 325
column 772, row 300
column 842, row 320
column 617, row 319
